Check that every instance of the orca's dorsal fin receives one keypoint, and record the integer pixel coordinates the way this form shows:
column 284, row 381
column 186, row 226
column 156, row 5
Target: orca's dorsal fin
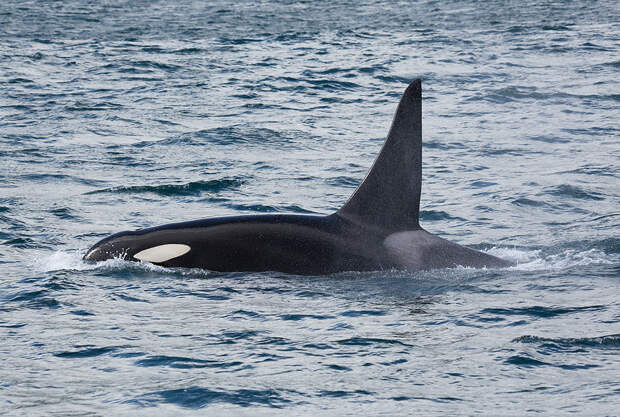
column 389, row 197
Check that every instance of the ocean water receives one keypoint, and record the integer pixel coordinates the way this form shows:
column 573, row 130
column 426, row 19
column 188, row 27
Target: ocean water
column 119, row 115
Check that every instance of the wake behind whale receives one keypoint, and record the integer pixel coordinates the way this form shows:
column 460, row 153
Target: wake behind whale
column 377, row 229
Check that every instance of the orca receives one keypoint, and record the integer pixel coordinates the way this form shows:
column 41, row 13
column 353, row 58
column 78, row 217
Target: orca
column 378, row 228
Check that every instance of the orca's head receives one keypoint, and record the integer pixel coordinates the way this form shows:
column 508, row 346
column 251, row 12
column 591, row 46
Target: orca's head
column 120, row 245
column 135, row 246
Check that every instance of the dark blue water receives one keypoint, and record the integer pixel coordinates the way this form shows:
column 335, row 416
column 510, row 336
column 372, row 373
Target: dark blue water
column 118, row 115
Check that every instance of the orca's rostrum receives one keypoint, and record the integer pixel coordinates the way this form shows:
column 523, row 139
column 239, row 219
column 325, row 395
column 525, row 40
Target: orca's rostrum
column 377, row 229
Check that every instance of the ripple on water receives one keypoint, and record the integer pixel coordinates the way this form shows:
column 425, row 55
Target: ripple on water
column 362, row 313
column 541, row 311
column 261, row 208
column 598, row 342
column 437, row 215
column 183, row 362
column 572, row 191
column 299, row 317
column 369, row 341
column 64, row 213
column 344, row 394
column 198, row 397
column 243, row 314
column 529, row 202
column 87, row 351
column 36, row 299
column 525, row 361
column 168, row 190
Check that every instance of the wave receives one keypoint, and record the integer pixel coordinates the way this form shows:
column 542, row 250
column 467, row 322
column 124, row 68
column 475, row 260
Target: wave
column 235, row 134
column 571, row 191
column 537, row 260
column 261, row 208
column 437, row 215
column 607, row 341
column 190, row 189
column 196, row 397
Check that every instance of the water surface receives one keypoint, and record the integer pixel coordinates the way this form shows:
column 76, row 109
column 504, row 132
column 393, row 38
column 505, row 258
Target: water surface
column 117, row 115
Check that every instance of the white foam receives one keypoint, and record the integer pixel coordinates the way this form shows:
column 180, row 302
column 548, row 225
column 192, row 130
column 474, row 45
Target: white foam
column 62, row 260
column 535, row 260
column 72, row 261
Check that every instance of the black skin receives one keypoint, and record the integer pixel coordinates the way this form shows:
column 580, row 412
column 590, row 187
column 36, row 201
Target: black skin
column 307, row 245
column 295, row 244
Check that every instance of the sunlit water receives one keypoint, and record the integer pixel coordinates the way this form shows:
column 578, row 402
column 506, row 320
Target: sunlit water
column 120, row 115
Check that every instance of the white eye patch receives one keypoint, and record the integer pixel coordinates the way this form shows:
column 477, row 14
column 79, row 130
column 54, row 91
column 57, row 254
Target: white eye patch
column 162, row 253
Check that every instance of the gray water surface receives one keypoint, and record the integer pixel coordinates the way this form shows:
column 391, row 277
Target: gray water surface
column 120, row 115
